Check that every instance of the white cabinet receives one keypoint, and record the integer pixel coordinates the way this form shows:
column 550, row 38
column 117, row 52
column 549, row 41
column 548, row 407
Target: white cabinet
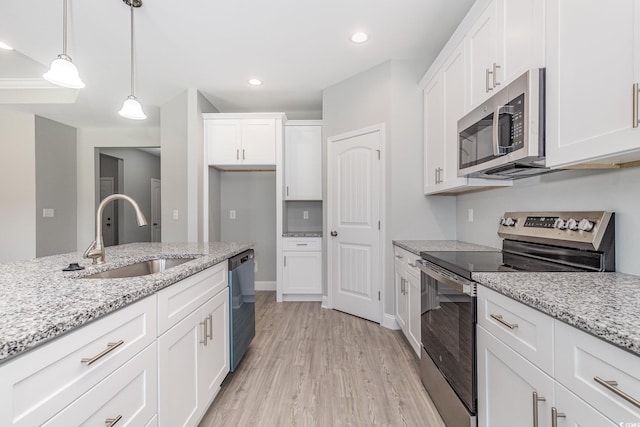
column 242, row 141
column 302, row 266
column 515, row 349
column 506, row 41
column 592, row 68
column 444, row 105
column 303, row 160
column 408, row 296
column 193, row 354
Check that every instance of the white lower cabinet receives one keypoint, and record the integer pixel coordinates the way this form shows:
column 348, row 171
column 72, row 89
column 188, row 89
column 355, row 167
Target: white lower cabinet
column 401, row 299
column 408, row 296
column 511, row 363
column 302, row 267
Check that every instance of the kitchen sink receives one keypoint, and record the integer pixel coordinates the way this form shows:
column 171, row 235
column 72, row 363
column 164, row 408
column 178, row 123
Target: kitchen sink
column 140, row 269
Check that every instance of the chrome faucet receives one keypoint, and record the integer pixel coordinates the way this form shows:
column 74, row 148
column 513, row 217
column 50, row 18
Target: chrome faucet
column 95, row 250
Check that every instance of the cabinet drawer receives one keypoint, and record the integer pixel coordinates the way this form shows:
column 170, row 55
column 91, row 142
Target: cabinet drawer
column 129, row 393
column 580, row 358
column 408, row 259
column 527, row 331
column 177, row 301
column 31, row 393
column 300, row 244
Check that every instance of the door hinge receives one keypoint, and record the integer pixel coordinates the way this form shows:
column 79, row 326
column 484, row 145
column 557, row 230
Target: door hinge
column 378, row 295
column 378, row 154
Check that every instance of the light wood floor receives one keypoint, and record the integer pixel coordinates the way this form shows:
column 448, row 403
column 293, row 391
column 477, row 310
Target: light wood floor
column 309, row 366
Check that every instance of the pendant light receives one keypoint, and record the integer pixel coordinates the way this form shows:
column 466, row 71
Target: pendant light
column 62, row 71
column 131, row 108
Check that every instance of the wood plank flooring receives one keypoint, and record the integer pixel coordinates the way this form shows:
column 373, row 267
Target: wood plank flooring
column 308, row 366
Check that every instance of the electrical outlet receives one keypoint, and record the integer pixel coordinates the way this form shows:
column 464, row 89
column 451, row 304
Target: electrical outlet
column 48, row 213
column 176, row 215
column 470, row 215
column 305, row 214
column 232, row 214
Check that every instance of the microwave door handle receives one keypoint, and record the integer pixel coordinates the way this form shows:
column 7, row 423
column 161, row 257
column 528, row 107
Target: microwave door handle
column 496, row 131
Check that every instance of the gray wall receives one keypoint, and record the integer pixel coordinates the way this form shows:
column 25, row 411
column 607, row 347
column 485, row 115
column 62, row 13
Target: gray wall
column 614, row 190
column 294, row 216
column 139, row 168
column 253, row 196
column 389, row 94
column 55, row 162
column 17, row 186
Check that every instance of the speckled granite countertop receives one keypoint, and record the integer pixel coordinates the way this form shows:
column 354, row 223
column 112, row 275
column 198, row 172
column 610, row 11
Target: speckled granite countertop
column 417, row 246
column 38, row 301
column 606, row 305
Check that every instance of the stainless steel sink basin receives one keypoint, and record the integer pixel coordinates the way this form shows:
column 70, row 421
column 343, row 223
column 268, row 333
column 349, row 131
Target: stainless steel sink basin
column 140, row 269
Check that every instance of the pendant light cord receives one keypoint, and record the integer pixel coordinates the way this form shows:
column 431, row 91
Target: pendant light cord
column 132, row 66
column 64, row 28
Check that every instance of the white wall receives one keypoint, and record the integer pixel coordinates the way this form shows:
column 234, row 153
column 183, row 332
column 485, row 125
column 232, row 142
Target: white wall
column 17, row 186
column 89, row 139
column 139, row 167
column 55, row 173
column 613, row 190
column 389, row 93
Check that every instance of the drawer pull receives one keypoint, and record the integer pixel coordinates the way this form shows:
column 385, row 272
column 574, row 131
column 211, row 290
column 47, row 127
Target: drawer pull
column 412, row 265
column 110, row 347
column 612, row 386
column 555, row 415
column 204, row 333
column 399, row 256
column 110, row 422
column 210, row 333
column 499, row 318
column 536, row 399
column 301, row 244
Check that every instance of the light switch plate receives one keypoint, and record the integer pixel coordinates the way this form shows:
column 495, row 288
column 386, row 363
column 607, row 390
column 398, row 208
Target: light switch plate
column 48, row 213
column 232, row 214
column 176, row 215
column 305, row 214
column 470, row 215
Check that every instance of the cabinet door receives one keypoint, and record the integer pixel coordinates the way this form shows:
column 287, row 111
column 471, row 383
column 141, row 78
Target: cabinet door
column 258, row 142
column 590, row 76
column 214, row 355
column 454, row 108
column 414, row 297
column 481, row 46
column 223, row 141
column 303, row 162
column 433, row 131
column 401, row 299
column 302, row 272
column 520, row 38
column 577, row 413
column 178, row 361
column 506, row 382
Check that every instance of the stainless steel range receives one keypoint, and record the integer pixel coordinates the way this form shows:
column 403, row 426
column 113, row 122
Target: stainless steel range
column 533, row 241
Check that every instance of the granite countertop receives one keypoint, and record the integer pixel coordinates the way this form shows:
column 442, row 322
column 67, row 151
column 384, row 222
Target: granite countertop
column 417, row 246
column 302, row 234
column 603, row 304
column 38, row 301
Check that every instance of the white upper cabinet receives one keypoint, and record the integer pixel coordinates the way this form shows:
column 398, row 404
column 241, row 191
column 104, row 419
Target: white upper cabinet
column 433, row 133
column 506, row 41
column 593, row 63
column 303, row 160
column 242, row 141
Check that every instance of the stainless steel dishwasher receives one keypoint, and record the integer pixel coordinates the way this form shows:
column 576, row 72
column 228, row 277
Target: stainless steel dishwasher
column 242, row 298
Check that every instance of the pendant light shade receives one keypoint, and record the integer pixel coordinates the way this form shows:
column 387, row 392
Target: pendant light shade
column 62, row 71
column 131, row 108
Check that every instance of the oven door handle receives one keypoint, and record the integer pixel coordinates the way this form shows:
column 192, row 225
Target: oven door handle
column 459, row 284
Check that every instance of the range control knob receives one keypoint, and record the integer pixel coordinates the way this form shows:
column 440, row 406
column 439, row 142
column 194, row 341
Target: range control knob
column 572, row 224
column 585, row 225
column 560, row 224
column 509, row 222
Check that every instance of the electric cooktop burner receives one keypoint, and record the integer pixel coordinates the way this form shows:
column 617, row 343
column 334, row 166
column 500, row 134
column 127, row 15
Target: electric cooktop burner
column 466, row 262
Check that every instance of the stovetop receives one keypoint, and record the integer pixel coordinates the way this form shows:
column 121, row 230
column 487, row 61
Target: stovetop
column 464, row 263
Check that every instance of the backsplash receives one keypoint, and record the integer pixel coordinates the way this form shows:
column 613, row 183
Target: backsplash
column 616, row 190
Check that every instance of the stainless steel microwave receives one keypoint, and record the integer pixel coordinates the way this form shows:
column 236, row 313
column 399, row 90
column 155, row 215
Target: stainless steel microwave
column 504, row 137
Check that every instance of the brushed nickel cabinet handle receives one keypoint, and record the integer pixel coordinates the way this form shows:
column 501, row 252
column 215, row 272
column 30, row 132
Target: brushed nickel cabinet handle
column 536, row 399
column 612, row 387
column 402, row 286
column 636, row 120
column 237, row 154
column 110, row 347
column 414, row 265
column 243, row 154
column 555, row 415
column 301, row 244
column 287, row 190
column 285, row 260
column 495, row 75
column 399, row 256
column 110, row 422
column 499, row 318
column 210, row 333
column 486, row 79
column 204, row 332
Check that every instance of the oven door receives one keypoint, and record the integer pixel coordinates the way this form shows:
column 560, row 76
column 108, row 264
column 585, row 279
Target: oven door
column 448, row 328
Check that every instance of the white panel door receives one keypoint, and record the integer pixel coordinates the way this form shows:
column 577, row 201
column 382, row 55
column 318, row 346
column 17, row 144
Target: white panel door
column 414, row 315
column 453, row 77
column 303, row 162
column 109, row 236
column 354, row 221
column 433, row 132
column 400, row 284
column 258, row 142
column 224, row 140
column 481, row 46
column 302, row 272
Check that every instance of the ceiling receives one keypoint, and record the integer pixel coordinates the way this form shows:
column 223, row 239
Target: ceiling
column 297, row 47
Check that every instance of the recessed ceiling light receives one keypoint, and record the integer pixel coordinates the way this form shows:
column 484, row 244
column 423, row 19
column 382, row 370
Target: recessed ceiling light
column 255, row 82
column 5, row 46
column 359, row 37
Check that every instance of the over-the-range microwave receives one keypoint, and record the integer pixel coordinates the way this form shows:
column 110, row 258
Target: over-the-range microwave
column 504, row 137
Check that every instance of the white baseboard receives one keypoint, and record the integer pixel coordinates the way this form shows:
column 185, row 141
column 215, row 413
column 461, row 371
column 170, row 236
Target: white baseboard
column 389, row 321
column 325, row 302
column 265, row 286
column 302, row 297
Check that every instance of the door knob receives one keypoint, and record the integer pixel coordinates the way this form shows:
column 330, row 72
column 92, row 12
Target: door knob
column 334, row 233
